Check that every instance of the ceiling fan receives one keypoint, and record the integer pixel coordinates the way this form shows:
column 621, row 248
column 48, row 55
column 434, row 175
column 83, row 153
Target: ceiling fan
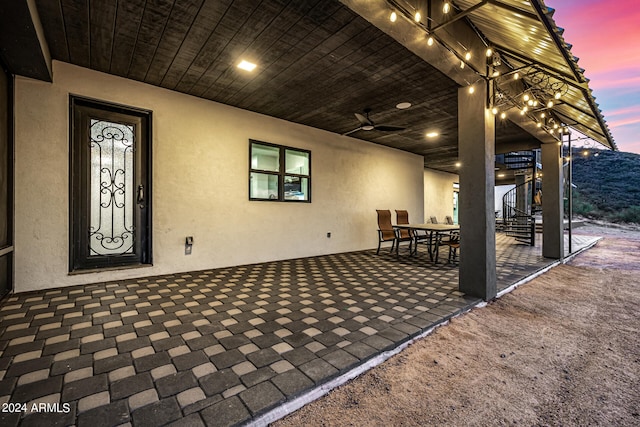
column 367, row 124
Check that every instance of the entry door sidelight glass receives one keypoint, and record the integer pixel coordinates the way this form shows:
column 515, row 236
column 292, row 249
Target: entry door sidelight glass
column 110, row 200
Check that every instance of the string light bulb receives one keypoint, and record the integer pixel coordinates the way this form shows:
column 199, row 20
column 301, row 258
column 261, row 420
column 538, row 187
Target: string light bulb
column 503, row 115
column 543, row 115
column 516, row 76
column 489, row 52
column 467, row 56
column 549, row 104
column 461, row 64
column 526, row 97
column 417, row 17
column 472, row 89
column 557, row 95
column 539, row 124
column 446, row 7
column 393, row 17
column 494, row 110
column 430, row 41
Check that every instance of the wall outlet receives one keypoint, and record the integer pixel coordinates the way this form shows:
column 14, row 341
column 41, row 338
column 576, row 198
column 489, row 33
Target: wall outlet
column 188, row 245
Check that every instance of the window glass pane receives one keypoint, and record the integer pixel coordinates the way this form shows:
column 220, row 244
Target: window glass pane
column 264, row 157
column 263, row 186
column 111, row 226
column 296, row 188
column 297, row 162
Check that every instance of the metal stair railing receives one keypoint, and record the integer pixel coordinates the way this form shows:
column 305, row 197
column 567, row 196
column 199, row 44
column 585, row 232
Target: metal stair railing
column 518, row 223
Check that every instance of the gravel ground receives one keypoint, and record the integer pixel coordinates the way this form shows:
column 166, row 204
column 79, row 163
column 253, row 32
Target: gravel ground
column 563, row 349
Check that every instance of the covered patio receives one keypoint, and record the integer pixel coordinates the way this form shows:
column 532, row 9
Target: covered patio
column 247, row 279
column 226, row 346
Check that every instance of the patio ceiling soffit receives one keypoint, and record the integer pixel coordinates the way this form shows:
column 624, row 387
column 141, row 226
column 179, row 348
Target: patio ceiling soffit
column 515, row 45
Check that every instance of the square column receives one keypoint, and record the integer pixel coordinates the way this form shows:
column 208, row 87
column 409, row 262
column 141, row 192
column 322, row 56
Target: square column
column 552, row 202
column 476, row 152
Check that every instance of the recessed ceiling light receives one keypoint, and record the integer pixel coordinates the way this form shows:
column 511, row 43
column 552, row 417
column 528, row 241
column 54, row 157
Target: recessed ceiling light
column 432, row 134
column 246, row 65
column 403, row 105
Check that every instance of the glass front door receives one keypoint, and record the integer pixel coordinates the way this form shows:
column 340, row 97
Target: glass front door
column 111, row 197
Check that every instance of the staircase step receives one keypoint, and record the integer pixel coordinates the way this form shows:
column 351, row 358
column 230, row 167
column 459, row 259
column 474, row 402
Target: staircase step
column 520, row 236
column 523, row 228
column 527, row 241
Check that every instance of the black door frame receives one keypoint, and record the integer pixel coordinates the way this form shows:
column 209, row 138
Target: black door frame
column 80, row 108
column 6, row 250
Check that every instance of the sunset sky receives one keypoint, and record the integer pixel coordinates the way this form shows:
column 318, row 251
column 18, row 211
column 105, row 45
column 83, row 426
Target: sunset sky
column 605, row 36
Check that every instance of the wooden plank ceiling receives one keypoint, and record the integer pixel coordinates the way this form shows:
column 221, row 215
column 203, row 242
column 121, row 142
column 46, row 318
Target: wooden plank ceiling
column 318, row 63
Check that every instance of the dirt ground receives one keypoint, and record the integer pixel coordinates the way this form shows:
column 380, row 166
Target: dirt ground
column 563, row 349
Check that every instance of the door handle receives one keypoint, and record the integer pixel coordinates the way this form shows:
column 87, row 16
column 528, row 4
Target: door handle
column 141, row 195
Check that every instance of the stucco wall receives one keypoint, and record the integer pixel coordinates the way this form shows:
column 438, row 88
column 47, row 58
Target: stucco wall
column 500, row 191
column 438, row 194
column 200, row 183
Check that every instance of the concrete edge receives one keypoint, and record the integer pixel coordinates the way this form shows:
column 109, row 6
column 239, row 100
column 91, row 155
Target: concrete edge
column 290, row 407
column 547, row 268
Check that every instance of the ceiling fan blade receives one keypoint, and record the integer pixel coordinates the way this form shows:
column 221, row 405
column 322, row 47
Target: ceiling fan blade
column 388, row 128
column 364, row 121
column 352, row 131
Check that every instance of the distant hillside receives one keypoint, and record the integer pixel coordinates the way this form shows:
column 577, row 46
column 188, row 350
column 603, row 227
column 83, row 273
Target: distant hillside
column 607, row 185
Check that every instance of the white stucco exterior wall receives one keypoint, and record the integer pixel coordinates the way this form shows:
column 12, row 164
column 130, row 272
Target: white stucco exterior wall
column 200, row 183
column 438, row 194
column 501, row 190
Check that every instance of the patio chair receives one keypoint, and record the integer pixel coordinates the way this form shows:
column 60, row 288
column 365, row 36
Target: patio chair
column 451, row 240
column 402, row 217
column 386, row 232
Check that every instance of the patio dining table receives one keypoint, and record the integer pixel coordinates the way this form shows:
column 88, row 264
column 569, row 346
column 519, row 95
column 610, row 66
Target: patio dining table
column 434, row 231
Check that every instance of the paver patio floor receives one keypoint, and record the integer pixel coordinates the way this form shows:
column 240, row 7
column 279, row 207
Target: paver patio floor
column 222, row 346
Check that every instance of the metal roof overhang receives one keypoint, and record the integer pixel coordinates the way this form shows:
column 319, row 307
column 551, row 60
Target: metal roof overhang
column 527, row 41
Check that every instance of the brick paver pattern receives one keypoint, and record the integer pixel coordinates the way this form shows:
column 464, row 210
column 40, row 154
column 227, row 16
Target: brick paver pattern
column 223, row 346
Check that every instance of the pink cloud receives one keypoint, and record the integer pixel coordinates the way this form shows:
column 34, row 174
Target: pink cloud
column 633, row 109
column 624, row 122
column 607, row 80
column 605, row 36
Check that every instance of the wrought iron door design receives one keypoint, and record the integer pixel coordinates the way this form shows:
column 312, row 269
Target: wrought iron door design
column 110, row 185
column 111, row 229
